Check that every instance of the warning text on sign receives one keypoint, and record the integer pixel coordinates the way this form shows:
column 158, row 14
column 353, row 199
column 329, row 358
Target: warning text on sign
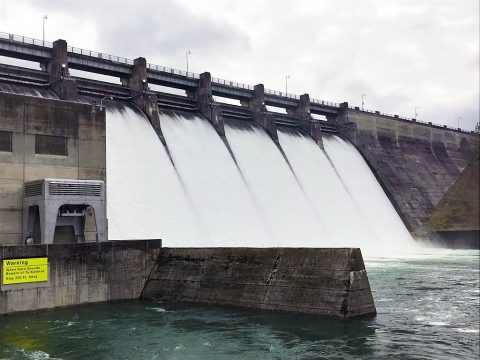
column 17, row 271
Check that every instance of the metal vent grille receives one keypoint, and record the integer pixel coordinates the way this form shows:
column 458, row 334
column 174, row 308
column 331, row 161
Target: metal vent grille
column 51, row 145
column 81, row 189
column 34, row 189
column 6, row 141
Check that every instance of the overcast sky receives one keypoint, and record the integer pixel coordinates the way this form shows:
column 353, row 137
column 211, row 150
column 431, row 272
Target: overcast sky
column 400, row 53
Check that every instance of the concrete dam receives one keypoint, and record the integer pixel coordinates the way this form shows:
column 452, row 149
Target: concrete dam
column 199, row 173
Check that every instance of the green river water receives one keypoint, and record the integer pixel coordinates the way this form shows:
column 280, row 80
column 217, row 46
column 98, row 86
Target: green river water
column 427, row 303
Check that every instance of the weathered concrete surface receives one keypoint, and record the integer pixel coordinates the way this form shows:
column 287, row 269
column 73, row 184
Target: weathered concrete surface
column 259, row 111
column 415, row 163
column 80, row 274
column 206, row 104
column 82, row 125
column 455, row 221
column 329, row 282
column 459, row 208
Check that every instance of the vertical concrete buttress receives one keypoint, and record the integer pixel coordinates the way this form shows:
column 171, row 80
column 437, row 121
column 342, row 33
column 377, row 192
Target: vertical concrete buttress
column 307, row 123
column 141, row 95
column 259, row 111
column 138, row 79
column 345, row 127
column 59, row 77
column 206, row 104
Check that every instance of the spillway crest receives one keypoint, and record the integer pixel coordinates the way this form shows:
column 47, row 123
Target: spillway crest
column 202, row 190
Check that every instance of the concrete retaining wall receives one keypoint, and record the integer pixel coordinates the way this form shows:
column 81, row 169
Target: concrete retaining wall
column 80, row 274
column 415, row 163
column 312, row 281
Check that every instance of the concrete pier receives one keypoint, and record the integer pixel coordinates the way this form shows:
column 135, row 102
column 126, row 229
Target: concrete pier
column 259, row 111
column 306, row 123
column 60, row 80
column 206, row 104
column 315, row 281
column 141, row 95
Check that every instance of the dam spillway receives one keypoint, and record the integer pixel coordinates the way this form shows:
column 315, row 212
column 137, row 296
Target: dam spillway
column 242, row 190
column 414, row 161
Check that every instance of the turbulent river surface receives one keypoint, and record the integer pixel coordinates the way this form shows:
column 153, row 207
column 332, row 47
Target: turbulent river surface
column 427, row 303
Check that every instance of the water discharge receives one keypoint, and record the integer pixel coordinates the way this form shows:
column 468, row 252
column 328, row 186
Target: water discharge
column 145, row 197
column 214, row 183
column 241, row 190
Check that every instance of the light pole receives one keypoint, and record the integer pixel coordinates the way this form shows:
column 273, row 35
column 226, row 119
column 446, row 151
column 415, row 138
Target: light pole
column 286, row 84
column 188, row 52
column 105, row 97
column 363, row 99
column 43, row 20
column 416, row 113
column 458, row 122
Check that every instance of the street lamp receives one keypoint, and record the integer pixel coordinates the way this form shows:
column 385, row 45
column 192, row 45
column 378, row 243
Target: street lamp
column 43, row 20
column 105, row 97
column 286, row 84
column 363, row 99
column 458, row 122
column 416, row 113
column 188, row 52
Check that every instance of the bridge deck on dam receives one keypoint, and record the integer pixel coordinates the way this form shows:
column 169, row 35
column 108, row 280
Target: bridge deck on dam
column 95, row 62
column 40, row 51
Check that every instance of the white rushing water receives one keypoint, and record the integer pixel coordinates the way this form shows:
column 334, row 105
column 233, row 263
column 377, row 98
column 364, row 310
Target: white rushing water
column 374, row 205
column 346, row 194
column 145, row 199
column 318, row 198
column 332, row 202
column 213, row 182
column 286, row 209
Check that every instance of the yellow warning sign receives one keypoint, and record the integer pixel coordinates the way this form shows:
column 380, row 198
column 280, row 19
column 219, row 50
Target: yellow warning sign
column 17, row 271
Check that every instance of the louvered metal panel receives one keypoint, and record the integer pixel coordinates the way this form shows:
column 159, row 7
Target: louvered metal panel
column 72, row 189
column 34, row 189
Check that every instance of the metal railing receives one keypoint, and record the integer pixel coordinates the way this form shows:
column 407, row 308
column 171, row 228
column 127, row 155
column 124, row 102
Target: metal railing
column 99, row 55
column 122, row 60
column 282, row 94
column 231, row 83
column 323, row 102
column 25, row 40
column 173, row 71
column 428, row 123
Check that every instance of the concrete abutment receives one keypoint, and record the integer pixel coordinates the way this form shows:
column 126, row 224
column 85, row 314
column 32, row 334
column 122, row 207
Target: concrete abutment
column 414, row 162
column 206, row 104
column 60, row 80
column 259, row 111
column 307, row 123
